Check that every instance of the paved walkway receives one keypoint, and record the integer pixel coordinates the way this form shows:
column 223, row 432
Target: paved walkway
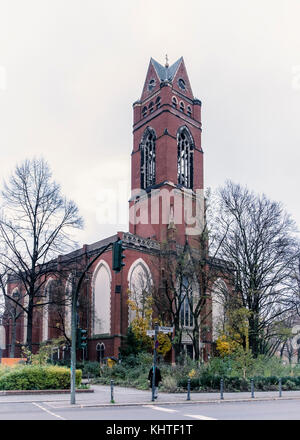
column 131, row 396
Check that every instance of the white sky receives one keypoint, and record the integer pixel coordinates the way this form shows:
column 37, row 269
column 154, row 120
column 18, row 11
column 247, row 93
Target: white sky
column 70, row 71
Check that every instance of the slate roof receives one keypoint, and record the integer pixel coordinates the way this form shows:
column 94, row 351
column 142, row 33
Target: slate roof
column 166, row 73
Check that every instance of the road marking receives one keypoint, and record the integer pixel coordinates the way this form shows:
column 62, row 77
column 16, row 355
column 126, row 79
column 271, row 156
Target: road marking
column 159, row 408
column 198, row 416
column 47, row 411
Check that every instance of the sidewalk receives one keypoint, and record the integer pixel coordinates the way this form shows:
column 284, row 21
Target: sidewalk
column 101, row 396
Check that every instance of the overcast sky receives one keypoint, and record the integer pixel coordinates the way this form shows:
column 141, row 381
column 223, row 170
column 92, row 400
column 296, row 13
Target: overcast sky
column 70, row 71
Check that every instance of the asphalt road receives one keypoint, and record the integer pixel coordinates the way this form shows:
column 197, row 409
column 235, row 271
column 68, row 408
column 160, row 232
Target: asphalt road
column 59, row 410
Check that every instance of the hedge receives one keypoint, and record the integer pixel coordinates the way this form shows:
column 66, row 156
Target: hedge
column 38, row 378
column 261, row 383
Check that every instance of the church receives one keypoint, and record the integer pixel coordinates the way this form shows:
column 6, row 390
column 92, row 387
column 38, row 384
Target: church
column 166, row 213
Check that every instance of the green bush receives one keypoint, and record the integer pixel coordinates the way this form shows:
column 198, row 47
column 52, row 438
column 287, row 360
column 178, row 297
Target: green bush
column 3, row 370
column 269, row 383
column 236, row 384
column 133, row 371
column 169, row 384
column 89, row 368
column 289, row 384
column 183, row 383
column 38, row 378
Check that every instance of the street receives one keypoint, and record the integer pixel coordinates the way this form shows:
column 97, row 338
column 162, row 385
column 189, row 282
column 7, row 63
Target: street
column 62, row 410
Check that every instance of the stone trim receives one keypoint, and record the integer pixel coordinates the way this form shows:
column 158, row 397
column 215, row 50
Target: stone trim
column 140, row 242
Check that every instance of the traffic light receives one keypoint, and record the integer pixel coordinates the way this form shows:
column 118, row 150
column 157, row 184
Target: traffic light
column 118, row 256
column 81, row 338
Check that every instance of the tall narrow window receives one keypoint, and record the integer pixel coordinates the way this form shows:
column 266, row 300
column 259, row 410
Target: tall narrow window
column 148, row 158
column 100, row 349
column 185, row 151
column 186, row 314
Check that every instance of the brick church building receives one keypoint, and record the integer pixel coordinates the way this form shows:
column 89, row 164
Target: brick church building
column 166, row 213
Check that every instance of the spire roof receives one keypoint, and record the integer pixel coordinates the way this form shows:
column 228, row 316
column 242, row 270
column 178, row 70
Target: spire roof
column 166, row 72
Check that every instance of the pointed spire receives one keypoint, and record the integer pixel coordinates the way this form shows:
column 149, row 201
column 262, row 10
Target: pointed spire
column 166, row 72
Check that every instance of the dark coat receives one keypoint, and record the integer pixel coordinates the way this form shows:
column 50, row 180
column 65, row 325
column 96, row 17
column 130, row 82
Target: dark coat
column 157, row 376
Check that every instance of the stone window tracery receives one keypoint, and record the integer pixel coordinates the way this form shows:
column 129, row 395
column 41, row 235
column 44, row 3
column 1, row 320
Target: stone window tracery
column 148, row 158
column 186, row 314
column 185, row 150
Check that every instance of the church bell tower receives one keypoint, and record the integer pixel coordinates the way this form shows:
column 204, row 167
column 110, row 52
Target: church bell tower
column 167, row 157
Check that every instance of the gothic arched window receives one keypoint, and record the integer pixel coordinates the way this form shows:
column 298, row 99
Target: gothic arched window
column 140, row 287
column 100, row 349
column 185, row 152
column 101, row 283
column 187, row 306
column 148, row 165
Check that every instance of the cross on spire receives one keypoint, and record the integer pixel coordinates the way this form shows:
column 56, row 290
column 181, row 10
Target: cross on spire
column 167, row 61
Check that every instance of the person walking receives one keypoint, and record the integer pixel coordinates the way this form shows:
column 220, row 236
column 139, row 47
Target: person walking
column 157, row 380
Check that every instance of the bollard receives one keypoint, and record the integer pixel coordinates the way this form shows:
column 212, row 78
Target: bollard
column 221, row 389
column 112, row 391
column 252, row 388
column 280, row 387
column 189, row 389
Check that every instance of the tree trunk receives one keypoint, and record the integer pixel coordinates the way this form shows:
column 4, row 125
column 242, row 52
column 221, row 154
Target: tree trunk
column 29, row 324
column 13, row 338
column 196, row 340
column 177, row 344
column 254, row 335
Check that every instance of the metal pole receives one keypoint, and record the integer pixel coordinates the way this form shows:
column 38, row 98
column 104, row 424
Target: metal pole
column 252, row 388
column 189, row 389
column 221, row 389
column 154, row 360
column 112, row 391
column 280, row 387
column 73, row 344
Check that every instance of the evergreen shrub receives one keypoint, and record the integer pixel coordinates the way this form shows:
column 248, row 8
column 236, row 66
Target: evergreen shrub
column 33, row 377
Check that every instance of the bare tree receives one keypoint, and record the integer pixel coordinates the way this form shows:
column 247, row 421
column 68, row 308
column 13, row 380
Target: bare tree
column 184, row 298
column 169, row 298
column 257, row 237
column 36, row 226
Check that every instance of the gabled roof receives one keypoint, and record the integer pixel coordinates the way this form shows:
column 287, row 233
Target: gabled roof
column 166, row 73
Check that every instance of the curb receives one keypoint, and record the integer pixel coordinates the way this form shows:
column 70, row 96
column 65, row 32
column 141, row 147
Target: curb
column 110, row 405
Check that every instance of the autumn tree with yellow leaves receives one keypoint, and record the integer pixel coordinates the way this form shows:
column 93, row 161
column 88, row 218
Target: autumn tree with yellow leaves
column 140, row 302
